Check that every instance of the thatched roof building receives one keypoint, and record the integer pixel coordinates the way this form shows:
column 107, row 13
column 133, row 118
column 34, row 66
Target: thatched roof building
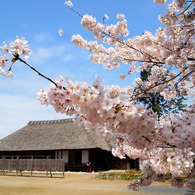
column 52, row 135
column 61, row 139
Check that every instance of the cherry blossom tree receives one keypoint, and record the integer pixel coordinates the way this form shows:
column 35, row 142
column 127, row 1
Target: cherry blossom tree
column 166, row 145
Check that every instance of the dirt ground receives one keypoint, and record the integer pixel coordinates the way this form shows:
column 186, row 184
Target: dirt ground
column 73, row 184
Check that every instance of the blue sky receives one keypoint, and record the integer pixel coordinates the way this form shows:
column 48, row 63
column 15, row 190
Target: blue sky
column 39, row 21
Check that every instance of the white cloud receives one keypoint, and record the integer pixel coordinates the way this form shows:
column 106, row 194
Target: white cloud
column 27, row 84
column 43, row 37
column 57, row 53
column 17, row 110
column 47, row 53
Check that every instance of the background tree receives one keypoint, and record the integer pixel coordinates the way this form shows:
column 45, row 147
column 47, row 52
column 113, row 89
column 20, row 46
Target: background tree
column 157, row 102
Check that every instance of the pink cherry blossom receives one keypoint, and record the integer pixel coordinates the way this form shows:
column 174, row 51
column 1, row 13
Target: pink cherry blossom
column 60, row 32
column 5, row 48
column 2, row 61
column 68, row 3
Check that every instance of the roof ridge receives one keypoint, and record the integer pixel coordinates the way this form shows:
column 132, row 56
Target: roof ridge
column 50, row 121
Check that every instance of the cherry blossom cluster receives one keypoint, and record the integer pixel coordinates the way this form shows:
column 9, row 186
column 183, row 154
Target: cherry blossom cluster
column 172, row 160
column 170, row 48
column 162, row 161
column 174, row 154
column 19, row 46
column 116, row 115
column 68, row 3
column 178, row 130
column 122, row 149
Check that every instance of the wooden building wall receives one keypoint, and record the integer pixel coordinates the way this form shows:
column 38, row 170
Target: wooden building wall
column 76, row 160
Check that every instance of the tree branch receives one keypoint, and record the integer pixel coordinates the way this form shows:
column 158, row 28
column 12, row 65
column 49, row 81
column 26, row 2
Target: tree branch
column 40, row 74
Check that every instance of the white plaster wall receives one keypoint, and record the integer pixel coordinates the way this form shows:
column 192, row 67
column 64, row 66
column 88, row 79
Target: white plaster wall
column 85, row 156
column 65, row 155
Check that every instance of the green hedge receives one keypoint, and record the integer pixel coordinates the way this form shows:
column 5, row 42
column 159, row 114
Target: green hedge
column 127, row 175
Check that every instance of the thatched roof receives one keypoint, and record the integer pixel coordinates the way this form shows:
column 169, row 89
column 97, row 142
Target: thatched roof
column 52, row 135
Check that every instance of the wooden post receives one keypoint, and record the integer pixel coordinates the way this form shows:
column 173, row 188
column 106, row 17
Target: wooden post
column 64, row 169
column 47, row 166
column 17, row 165
column 63, row 165
column 93, row 159
column 31, row 166
column 3, row 166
